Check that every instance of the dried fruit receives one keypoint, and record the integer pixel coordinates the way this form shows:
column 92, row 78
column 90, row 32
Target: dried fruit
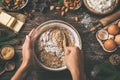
column 7, row 52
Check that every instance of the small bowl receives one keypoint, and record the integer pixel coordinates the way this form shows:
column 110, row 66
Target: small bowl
column 54, row 24
column 98, row 12
column 9, row 55
column 72, row 6
column 4, row 5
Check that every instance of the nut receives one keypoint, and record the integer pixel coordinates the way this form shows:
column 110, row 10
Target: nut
column 76, row 18
column 58, row 8
column 62, row 13
column 66, row 9
column 63, row 8
column 52, row 8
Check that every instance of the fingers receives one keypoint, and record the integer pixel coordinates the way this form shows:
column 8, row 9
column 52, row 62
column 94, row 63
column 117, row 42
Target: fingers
column 31, row 32
column 27, row 42
column 67, row 52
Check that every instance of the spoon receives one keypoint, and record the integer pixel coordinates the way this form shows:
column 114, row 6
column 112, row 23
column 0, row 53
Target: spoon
column 9, row 66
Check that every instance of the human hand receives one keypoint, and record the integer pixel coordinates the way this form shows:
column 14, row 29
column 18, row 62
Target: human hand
column 27, row 51
column 74, row 62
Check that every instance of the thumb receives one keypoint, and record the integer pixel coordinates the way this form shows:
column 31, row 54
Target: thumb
column 67, row 52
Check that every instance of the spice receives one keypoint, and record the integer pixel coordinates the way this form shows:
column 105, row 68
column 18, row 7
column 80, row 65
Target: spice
column 7, row 52
column 101, row 6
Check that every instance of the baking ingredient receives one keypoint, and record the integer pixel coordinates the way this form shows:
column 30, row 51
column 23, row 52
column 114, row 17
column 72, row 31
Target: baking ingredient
column 7, row 53
column 52, row 7
column 102, row 34
column 14, row 4
column 117, row 39
column 10, row 22
column 110, row 44
column 119, row 24
column 72, row 4
column 51, row 47
column 114, row 59
column 63, row 8
column 101, row 6
column 113, row 29
column 76, row 18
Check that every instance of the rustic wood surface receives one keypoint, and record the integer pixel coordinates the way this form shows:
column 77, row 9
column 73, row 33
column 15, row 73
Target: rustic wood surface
column 92, row 49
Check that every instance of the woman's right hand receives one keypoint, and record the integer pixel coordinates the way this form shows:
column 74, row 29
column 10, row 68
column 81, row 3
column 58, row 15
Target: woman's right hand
column 74, row 62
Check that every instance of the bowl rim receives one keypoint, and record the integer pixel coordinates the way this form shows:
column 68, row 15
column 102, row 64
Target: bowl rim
column 42, row 25
column 100, row 13
column 14, row 9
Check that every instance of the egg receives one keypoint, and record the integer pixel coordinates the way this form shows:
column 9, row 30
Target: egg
column 109, row 44
column 113, row 29
column 118, row 24
column 117, row 39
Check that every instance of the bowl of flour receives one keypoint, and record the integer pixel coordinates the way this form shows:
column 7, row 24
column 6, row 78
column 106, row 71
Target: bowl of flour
column 49, row 43
column 101, row 6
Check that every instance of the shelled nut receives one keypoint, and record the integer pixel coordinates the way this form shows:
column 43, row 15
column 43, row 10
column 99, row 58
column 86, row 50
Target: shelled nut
column 62, row 13
column 76, row 18
column 63, row 8
column 58, row 7
column 52, row 8
column 66, row 9
column 72, row 4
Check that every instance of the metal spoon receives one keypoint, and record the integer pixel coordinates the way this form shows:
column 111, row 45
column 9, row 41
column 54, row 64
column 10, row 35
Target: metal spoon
column 9, row 66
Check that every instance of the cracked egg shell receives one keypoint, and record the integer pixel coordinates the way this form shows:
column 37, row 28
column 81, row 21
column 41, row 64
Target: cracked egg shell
column 109, row 44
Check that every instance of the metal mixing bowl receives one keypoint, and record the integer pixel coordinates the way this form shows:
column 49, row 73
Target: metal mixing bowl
column 50, row 24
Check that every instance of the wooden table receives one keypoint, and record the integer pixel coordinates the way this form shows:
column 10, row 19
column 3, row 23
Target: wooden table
column 90, row 46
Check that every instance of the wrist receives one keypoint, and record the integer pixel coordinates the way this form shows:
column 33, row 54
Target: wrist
column 78, row 74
